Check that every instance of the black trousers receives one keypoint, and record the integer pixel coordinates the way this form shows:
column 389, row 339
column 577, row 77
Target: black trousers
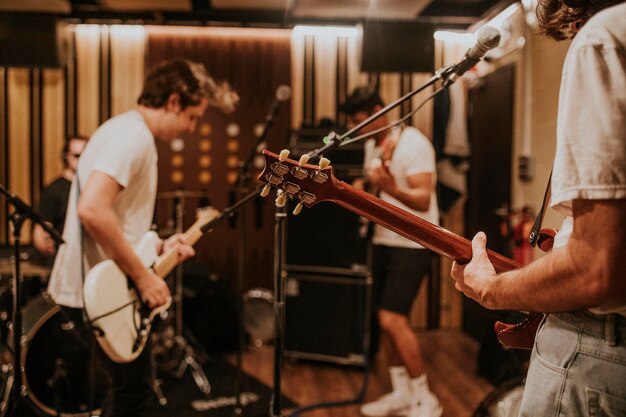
column 130, row 390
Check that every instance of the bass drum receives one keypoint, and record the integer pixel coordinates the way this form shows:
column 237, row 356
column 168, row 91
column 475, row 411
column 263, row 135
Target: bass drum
column 60, row 376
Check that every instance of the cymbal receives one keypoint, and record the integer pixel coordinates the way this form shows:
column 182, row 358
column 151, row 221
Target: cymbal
column 27, row 268
column 183, row 194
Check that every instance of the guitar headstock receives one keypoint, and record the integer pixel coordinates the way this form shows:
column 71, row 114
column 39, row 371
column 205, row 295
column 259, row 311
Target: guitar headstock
column 309, row 184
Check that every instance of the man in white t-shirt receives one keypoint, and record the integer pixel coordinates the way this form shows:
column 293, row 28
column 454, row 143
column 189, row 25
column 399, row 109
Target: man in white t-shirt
column 111, row 207
column 578, row 365
column 400, row 166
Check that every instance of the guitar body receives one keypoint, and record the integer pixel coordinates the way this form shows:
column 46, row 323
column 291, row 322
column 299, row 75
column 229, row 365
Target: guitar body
column 112, row 306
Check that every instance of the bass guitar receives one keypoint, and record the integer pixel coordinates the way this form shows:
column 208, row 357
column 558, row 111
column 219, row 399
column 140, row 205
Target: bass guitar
column 121, row 321
column 311, row 184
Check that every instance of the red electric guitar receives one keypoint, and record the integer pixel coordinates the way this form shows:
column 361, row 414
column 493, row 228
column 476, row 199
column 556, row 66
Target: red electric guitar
column 311, row 184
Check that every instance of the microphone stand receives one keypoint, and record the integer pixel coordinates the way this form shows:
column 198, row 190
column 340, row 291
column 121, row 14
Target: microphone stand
column 333, row 141
column 241, row 188
column 21, row 213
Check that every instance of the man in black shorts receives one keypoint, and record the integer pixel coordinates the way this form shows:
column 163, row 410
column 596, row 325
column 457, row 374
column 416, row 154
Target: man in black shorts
column 400, row 167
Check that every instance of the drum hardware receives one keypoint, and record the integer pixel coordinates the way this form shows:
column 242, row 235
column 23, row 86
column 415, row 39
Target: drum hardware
column 258, row 315
column 22, row 212
column 6, row 384
column 172, row 350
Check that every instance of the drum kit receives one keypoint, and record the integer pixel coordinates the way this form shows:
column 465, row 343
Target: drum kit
column 51, row 383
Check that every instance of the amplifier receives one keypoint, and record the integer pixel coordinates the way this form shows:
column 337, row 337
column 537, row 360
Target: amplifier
column 327, row 314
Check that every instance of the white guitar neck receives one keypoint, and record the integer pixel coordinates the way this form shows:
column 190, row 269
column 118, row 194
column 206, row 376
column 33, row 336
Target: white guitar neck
column 165, row 263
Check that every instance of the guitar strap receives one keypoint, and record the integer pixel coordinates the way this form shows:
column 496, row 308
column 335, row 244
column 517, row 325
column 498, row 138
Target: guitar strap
column 534, row 232
column 86, row 318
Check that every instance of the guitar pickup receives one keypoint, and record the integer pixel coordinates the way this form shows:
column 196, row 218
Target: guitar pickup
column 307, row 198
column 299, row 173
column 279, row 169
column 274, row 179
column 291, row 188
column 319, row 176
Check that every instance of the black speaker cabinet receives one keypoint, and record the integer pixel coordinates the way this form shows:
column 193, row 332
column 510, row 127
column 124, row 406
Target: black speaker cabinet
column 327, row 314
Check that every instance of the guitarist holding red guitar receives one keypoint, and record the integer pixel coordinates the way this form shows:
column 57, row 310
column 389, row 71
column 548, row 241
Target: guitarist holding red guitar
column 578, row 364
column 400, row 164
column 111, row 207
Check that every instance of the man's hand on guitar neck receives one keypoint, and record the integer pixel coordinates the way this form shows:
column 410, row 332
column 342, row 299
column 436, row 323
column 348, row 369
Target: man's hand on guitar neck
column 474, row 279
column 179, row 243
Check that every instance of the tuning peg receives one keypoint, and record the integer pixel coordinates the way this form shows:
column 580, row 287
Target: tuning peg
column 298, row 208
column 283, row 155
column 304, row 159
column 266, row 190
column 281, row 200
column 324, row 162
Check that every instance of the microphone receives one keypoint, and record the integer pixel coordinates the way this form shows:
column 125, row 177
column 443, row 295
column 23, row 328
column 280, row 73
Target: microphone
column 283, row 93
column 488, row 38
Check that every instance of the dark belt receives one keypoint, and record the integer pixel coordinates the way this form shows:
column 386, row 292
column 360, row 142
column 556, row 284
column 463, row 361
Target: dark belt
column 610, row 327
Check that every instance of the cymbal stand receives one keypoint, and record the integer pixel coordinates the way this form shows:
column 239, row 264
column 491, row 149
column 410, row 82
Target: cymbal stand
column 188, row 359
column 14, row 381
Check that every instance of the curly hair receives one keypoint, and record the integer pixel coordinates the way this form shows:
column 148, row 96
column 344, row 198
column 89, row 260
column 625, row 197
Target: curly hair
column 555, row 16
column 190, row 81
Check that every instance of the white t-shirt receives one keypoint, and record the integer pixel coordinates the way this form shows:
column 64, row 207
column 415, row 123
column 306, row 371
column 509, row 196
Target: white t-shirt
column 124, row 149
column 414, row 154
column 590, row 160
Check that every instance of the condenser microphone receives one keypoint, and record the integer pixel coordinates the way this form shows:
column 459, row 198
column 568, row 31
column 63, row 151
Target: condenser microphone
column 488, row 38
column 283, row 93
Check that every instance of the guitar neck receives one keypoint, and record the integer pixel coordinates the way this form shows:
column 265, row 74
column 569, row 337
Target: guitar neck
column 431, row 236
column 168, row 260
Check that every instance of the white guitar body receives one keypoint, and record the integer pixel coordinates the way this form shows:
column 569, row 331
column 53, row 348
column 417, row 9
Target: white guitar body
column 112, row 308
column 121, row 322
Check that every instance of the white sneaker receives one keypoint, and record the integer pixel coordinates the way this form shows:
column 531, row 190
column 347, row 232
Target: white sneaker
column 427, row 406
column 395, row 403
column 423, row 402
column 391, row 404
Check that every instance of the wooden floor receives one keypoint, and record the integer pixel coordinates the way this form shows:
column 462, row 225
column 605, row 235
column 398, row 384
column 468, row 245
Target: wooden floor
column 450, row 360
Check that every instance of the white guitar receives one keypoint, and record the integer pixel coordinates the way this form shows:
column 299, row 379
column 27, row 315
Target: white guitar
column 121, row 320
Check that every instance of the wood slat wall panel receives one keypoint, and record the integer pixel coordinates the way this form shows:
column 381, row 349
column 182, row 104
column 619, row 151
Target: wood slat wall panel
column 20, row 181
column 255, row 62
column 297, row 81
column 4, row 157
column 20, row 178
column 88, row 78
column 423, row 119
column 53, row 129
column 128, row 54
column 325, row 77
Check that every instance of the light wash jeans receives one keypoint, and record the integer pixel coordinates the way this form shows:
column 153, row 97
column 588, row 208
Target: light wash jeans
column 578, row 367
